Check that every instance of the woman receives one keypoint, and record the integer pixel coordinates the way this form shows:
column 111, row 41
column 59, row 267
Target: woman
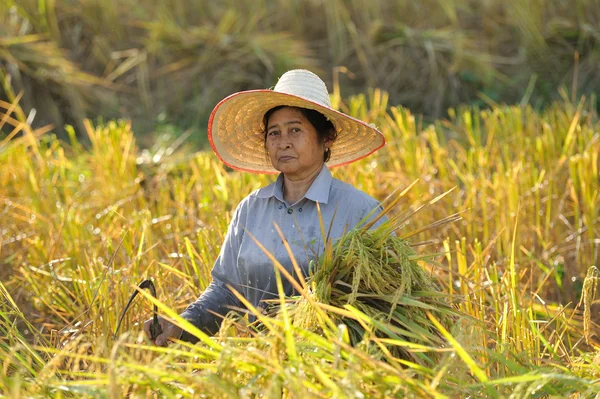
column 300, row 132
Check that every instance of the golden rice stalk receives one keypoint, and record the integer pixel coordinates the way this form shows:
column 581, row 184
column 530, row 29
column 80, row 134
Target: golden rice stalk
column 371, row 281
column 377, row 274
column 590, row 285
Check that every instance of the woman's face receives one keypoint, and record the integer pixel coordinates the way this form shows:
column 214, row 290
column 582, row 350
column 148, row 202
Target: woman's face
column 293, row 144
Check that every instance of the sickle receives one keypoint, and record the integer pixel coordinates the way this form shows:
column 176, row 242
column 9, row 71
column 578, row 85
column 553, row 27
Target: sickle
column 155, row 329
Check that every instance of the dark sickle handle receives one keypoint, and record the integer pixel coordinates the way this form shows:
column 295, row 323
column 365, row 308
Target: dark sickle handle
column 155, row 329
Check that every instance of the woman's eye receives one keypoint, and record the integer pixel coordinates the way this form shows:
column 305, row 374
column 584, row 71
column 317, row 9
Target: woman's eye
column 273, row 133
column 295, row 129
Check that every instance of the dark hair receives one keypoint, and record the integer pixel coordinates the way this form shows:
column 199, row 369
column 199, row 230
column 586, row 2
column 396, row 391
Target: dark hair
column 323, row 126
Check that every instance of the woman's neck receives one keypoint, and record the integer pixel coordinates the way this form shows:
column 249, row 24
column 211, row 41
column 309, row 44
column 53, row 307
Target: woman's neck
column 294, row 188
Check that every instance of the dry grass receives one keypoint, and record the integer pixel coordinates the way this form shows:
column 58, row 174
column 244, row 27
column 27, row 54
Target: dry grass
column 81, row 226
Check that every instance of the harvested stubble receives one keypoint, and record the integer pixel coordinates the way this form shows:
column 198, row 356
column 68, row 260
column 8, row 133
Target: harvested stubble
column 376, row 274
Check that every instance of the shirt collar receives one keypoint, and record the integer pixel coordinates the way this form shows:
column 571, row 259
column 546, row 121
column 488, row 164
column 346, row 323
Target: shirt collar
column 318, row 191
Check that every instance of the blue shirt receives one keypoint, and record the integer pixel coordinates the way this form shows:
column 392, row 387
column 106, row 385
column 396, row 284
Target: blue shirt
column 244, row 266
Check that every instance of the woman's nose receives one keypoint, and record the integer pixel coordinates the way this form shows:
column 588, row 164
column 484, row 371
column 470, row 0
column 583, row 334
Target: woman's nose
column 284, row 144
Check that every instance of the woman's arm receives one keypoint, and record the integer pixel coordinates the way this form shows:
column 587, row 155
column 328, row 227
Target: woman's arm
column 207, row 312
column 217, row 300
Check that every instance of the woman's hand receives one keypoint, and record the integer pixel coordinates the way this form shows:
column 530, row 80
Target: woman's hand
column 169, row 331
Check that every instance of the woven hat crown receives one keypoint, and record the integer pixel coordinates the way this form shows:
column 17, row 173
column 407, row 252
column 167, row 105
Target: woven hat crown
column 305, row 84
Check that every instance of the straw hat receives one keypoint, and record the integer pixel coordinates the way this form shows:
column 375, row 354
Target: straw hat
column 236, row 130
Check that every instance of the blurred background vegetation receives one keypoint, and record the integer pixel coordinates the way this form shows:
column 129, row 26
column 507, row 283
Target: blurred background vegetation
column 164, row 65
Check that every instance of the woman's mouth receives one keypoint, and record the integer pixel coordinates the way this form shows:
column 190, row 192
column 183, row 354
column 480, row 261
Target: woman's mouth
column 285, row 158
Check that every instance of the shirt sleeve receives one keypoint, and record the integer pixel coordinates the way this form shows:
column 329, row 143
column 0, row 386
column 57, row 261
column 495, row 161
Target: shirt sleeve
column 207, row 312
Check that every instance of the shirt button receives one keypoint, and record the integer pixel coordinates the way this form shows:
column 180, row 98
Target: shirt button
column 280, row 206
column 300, row 210
column 290, row 211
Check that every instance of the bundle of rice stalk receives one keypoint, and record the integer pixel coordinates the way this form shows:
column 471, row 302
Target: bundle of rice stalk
column 377, row 275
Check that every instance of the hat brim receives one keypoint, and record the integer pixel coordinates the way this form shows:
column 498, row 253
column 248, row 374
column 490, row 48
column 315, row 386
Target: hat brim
column 236, row 131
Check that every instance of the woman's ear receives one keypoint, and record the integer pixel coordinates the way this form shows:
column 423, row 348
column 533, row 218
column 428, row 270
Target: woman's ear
column 328, row 142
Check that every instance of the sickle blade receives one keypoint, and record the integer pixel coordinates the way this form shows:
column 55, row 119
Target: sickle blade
column 155, row 329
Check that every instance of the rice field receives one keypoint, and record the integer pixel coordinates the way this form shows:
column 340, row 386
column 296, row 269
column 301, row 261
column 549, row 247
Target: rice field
column 497, row 209
column 165, row 65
